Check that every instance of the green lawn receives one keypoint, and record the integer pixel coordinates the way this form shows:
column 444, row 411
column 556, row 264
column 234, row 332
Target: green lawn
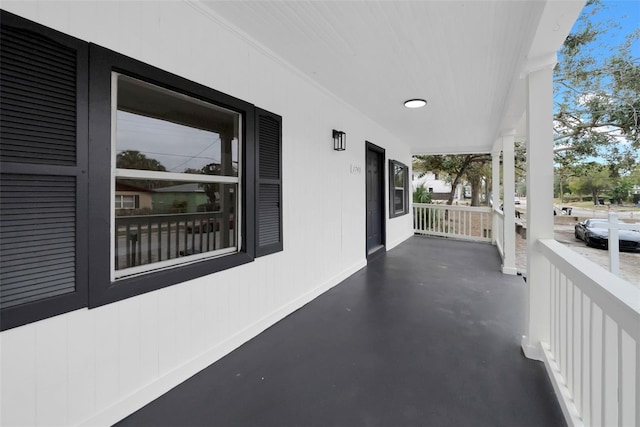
column 627, row 207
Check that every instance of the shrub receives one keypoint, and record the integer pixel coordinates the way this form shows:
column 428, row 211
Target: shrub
column 421, row 195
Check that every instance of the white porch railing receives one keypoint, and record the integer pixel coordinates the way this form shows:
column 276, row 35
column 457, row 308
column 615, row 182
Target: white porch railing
column 498, row 230
column 593, row 356
column 461, row 222
column 613, row 225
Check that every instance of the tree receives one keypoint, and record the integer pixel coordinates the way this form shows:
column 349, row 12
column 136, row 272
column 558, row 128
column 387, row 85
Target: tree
column 455, row 166
column 474, row 168
column 635, row 175
column 565, row 169
column 133, row 159
column 477, row 172
column 212, row 190
column 621, row 189
column 191, row 170
column 597, row 96
column 591, row 178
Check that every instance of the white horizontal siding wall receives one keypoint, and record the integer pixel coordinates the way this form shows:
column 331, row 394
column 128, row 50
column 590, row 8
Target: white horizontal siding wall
column 96, row 366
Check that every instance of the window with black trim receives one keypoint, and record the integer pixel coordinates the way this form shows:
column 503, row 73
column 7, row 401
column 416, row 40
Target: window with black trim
column 184, row 153
column 193, row 152
column 398, row 189
column 169, row 180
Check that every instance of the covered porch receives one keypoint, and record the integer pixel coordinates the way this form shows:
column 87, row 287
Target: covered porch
column 433, row 331
column 427, row 334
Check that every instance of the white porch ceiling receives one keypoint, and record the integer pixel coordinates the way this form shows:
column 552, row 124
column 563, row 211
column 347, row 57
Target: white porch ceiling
column 465, row 58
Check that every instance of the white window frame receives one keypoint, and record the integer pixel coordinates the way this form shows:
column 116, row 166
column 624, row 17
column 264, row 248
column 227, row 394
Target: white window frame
column 168, row 176
column 119, row 201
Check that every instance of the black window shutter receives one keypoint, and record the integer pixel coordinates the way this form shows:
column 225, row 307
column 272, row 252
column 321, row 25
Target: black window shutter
column 268, row 183
column 43, row 155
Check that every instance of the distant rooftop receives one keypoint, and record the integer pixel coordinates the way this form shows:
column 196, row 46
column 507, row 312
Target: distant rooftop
column 192, row 187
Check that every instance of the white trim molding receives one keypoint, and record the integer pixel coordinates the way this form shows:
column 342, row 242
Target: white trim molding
column 130, row 403
column 538, row 63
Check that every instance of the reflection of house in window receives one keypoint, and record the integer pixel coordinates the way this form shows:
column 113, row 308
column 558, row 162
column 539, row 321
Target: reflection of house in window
column 185, row 151
column 189, row 198
column 180, row 198
column 128, row 201
column 130, row 197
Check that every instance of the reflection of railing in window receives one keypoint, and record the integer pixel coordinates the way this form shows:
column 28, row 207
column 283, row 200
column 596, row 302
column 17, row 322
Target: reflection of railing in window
column 147, row 239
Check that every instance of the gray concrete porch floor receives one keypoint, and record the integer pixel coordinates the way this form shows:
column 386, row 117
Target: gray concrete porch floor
column 427, row 334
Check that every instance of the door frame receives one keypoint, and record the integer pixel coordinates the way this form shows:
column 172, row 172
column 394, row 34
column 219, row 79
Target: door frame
column 369, row 146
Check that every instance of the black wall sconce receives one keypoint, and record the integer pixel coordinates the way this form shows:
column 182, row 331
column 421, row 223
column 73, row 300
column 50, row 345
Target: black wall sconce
column 339, row 140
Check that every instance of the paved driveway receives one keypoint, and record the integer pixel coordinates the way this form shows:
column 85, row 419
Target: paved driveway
column 564, row 233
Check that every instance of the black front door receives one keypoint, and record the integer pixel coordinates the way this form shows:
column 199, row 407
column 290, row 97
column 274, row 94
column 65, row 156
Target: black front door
column 375, row 199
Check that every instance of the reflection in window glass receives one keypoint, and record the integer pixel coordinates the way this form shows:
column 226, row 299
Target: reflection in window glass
column 398, row 175
column 161, row 216
column 161, row 130
column 147, row 143
column 398, row 189
column 182, row 220
column 399, row 200
column 126, row 201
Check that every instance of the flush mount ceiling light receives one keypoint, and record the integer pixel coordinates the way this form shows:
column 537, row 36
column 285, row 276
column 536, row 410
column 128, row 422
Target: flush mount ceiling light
column 415, row 103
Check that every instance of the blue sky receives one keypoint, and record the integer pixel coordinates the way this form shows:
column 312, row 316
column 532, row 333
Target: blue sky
column 618, row 19
column 626, row 16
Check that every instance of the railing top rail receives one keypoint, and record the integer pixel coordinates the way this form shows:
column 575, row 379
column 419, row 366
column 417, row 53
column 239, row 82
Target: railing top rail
column 618, row 298
column 613, row 222
column 618, row 225
column 165, row 217
column 453, row 207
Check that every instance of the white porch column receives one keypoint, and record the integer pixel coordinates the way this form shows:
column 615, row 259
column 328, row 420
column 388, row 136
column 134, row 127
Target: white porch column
column 539, row 203
column 508, row 181
column 495, row 189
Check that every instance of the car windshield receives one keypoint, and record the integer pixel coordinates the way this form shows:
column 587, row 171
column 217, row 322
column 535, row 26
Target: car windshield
column 592, row 223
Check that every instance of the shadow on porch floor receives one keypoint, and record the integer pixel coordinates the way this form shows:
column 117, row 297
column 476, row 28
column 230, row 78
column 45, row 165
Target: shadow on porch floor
column 427, row 334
